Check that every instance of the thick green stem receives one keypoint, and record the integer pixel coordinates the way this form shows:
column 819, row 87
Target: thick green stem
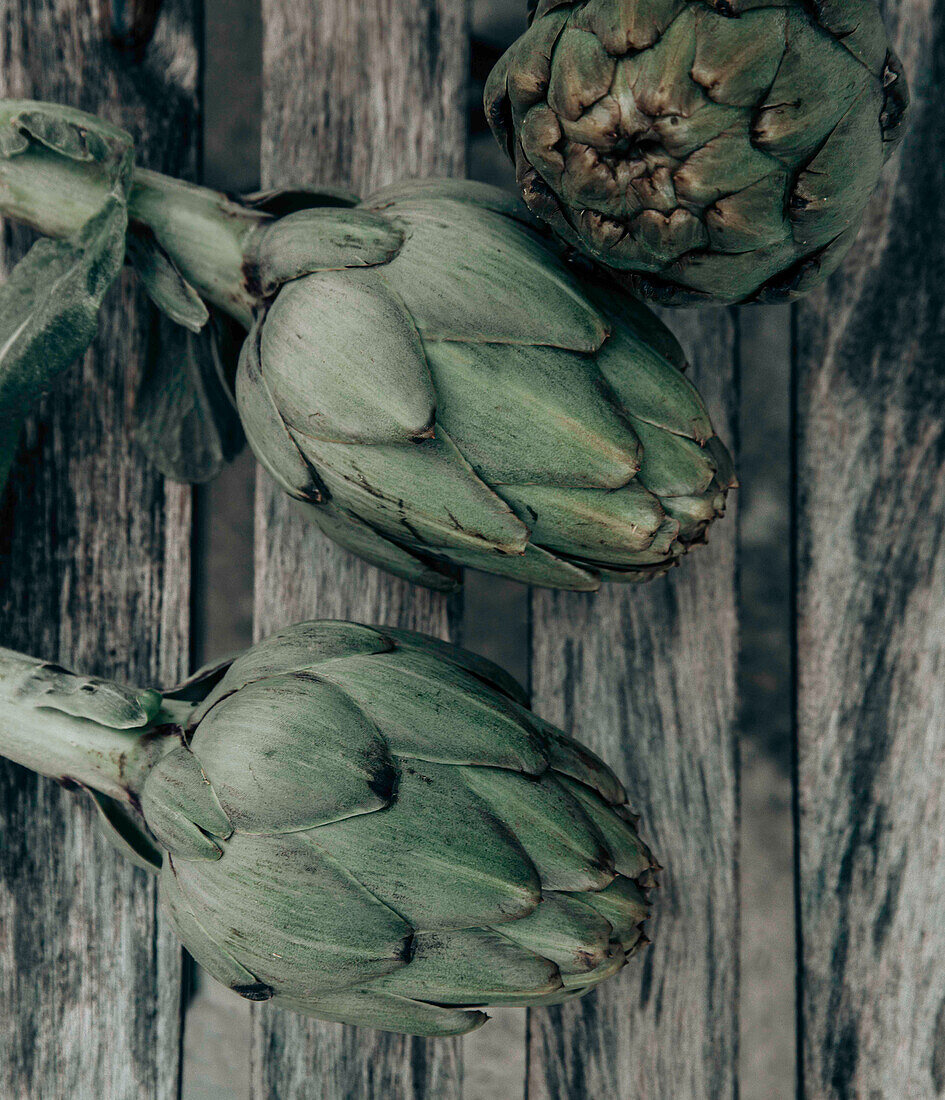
column 203, row 231
column 38, row 731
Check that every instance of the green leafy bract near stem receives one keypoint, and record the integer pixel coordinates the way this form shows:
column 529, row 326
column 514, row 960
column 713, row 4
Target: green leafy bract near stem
column 49, row 305
column 187, row 421
column 166, row 287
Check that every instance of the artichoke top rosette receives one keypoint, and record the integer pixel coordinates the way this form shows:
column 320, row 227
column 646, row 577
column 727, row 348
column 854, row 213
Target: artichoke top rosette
column 422, row 372
column 701, row 150
column 365, row 825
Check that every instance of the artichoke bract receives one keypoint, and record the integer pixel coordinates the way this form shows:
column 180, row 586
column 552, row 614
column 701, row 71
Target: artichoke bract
column 423, row 372
column 364, row 825
column 701, row 150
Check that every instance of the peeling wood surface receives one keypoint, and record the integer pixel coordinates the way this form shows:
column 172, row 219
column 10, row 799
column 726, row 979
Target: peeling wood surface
column 358, row 95
column 871, row 626
column 646, row 677
column 94, row 566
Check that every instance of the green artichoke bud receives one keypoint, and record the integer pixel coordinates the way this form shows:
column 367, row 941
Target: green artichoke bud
column 449, row 392
column 423, row 372
column 701, row 152
column 365, row 825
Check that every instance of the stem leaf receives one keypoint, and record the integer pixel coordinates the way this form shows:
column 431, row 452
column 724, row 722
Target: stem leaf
column 49, row 305
column 123, row 832
column 188, row 425
column 166, row 287
column 66, row 132
column 39, row 685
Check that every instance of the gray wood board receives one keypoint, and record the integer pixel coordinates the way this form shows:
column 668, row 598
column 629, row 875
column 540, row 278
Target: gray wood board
column 871, row 625
column 646, row 677
column 94, row 567
column 358, row 95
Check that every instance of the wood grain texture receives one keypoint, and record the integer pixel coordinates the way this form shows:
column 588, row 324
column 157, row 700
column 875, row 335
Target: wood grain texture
column 358, row 95
column 94, row 567
column 870, row 562
column 646, row 677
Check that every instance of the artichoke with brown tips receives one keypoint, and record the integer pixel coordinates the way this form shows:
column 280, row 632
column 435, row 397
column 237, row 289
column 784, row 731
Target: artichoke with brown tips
column 701, row 150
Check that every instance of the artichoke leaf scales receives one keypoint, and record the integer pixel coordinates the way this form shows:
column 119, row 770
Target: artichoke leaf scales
column 345, row 362
column 320, row 239
column 404, row 692
column 458, row 866
column 426, row 494
column 324, row 760
column 273, row 903
column 487, row 293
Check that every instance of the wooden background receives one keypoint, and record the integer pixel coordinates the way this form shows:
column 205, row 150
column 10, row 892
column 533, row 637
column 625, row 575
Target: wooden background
column 95, row 555
column 94, row 567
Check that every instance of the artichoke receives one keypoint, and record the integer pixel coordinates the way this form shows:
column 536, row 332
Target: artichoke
column 365, row 825
column 716, row 151
column 422, row 372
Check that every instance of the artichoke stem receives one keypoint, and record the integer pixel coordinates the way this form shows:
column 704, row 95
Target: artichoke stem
column 203, row 231
column 37, row 732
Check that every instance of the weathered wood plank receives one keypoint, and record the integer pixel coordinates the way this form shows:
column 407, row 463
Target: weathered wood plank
column 871, row 626
column 359, row 95
column 647, row 678
column 94, row 561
